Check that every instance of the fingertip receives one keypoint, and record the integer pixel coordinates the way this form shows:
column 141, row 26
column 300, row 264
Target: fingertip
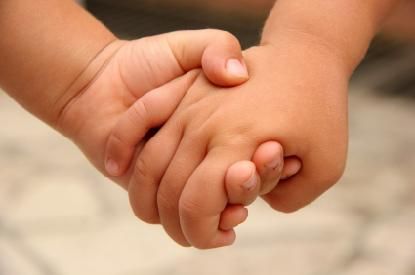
column 112, row 167
column 233, row 216
column 224, row 238
column 269, row 155
column 223, row 63
column 115, row 153
column 242, row 183
column 237, row 69
column 240, row 174
column 292, row 165
column 225, row 72
column 269, row 160
column 229, row 237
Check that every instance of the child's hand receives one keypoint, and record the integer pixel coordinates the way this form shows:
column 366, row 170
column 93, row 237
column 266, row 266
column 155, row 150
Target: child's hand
column 296, row 96
column 138, row 87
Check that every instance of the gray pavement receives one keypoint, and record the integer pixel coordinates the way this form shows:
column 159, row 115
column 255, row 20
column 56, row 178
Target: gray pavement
column 58, row 216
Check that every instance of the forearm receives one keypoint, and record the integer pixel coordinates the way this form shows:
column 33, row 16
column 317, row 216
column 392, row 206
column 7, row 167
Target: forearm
column 345, row 27
column 45, row 47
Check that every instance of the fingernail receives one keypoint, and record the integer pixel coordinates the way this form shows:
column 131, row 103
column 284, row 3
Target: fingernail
column 275, row 163
column 236, row 68
column 112, row 167
column 251, row 182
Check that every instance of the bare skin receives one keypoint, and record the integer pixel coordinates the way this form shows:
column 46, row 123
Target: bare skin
column 86, row 85
column 299, row 75
column 401, row 24
column 60, row 72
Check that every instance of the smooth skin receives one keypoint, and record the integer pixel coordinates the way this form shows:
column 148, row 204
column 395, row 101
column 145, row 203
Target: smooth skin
column 58, row 71
column 214, row 128
column 297, row 95
column 71, row 72
column 137, row 90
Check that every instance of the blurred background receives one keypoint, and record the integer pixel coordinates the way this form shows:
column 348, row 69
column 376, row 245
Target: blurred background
column 58, row 216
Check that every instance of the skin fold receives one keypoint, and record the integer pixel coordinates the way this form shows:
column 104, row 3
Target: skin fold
column 218, row 146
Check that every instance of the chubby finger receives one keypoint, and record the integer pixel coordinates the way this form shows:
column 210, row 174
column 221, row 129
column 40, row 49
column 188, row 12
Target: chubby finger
column 272, row 166
column 204, row 198
column 242, row 187
column 292, row 166
column 242, row 183
column 217, row 52
column 232, row 216
column 189, row 154
column 150, row 111
column 269, row 160
column 149, row 168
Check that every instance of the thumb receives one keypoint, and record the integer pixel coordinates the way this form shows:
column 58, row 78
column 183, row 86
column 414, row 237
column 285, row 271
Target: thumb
column 217, row 52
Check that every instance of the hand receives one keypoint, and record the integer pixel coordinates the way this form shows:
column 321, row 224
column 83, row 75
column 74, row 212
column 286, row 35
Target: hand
column 296, row 96
column 154, row 70
column 151, row 72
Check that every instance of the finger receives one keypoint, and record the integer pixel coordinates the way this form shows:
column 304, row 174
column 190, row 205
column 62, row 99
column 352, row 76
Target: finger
column 292, row 165
column 150, row 62
column 148, row 170
column 232, row 216
column 269, row 160
column 217, row 52
column 242, row 183
column 242, row 187
column 188, row 156
column 150, row 166
column 150, row 111
column 204, row 198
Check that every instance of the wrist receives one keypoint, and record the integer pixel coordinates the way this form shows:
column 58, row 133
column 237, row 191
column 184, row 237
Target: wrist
column 344, row 28
column 80, row 84
column 312, row 48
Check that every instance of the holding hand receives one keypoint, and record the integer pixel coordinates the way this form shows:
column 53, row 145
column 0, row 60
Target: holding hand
column 137, row 89
column 295, row 96
column 139, row 86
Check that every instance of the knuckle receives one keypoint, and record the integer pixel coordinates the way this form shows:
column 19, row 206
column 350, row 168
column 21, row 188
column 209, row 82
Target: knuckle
column 148, row 214
column 165, row 201
column 145, row 216
column 195, row 135
column 150, row 219
column 231, row 139
column 143, row 180
column 140, row 111
column 189, row 208
column 141, row 171
column 116, row 139
column 183, row 243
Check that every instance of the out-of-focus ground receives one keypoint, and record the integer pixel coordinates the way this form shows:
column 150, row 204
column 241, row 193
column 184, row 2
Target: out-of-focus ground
column 58, row 216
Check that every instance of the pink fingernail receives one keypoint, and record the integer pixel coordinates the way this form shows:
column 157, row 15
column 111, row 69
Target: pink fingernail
column 112, row 167
column 236, row 68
